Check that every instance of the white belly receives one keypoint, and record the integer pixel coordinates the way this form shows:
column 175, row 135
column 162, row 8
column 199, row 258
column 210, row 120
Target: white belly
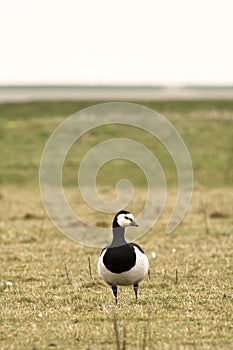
column 135, row 275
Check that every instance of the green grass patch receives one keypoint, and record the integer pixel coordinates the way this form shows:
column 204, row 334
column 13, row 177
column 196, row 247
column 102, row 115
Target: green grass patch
column 205, row 126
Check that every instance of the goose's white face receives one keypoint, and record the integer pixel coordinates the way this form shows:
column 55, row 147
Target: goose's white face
column 125, row 220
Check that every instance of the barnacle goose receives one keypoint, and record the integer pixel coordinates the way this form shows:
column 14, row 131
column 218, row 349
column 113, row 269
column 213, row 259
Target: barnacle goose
column 122, row 263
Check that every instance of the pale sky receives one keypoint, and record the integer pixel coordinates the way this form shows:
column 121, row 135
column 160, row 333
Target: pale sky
column 170, row 42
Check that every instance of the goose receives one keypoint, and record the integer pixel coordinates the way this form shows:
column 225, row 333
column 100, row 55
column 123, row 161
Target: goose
column 122, row 263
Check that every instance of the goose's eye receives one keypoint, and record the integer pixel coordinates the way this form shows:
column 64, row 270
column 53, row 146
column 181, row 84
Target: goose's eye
column 126, row 217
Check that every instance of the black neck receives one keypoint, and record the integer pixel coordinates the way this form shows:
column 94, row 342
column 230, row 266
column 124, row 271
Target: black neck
column 118, row 236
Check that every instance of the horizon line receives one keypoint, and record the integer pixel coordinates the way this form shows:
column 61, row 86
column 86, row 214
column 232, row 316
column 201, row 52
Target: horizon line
column 132, row 86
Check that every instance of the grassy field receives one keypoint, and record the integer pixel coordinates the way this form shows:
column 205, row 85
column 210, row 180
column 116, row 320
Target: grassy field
column 50, row 293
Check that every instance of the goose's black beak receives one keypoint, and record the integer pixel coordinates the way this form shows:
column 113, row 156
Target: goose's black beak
column 133, row 223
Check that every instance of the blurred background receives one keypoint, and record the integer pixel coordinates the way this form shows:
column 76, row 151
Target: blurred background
column 59, row 57
column 162, row 46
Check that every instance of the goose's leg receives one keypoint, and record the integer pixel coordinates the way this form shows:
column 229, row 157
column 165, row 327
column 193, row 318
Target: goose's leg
column 114, row 289
column 135, row 287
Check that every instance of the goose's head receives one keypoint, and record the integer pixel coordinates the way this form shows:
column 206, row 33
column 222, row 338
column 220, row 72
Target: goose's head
column 123, row 219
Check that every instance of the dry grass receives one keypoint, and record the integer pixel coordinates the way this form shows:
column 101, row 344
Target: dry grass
column 55, row 302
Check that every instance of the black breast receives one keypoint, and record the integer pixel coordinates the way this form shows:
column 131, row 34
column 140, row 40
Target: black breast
column 120, row 259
